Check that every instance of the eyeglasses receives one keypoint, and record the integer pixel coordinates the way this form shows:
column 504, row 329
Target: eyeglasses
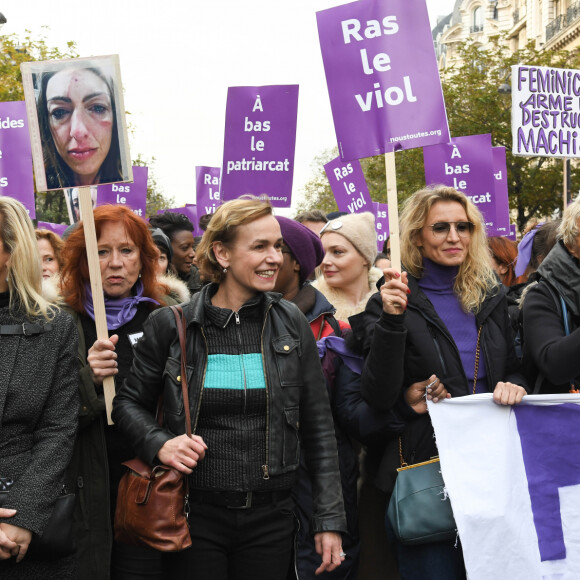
column 441, row 229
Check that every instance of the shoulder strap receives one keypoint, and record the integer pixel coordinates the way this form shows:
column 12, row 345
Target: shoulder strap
column 181, row 324
column 563, row 311
column 334, row 324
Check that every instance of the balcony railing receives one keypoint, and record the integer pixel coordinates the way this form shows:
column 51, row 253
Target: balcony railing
column 563, row 21
column 476, row 28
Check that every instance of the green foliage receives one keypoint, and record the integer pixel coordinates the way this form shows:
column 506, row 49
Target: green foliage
column 156, row 200
column 474, row 106
column 317, row 194
column 14, row 51
column 51, row 206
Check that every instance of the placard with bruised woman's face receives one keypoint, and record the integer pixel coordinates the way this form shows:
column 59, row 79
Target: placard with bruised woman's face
column 77, row 122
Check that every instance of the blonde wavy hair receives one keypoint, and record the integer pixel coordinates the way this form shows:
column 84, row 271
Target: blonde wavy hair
column 569, row 230
column 475, row 277
column 24, row 270
column 222, row 228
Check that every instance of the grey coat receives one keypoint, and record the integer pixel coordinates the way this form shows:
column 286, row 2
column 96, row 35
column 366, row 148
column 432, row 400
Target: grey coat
column 38, row 419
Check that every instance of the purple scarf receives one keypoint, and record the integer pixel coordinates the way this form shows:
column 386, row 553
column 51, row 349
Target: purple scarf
column 336, row 343
column 525, row 250
column 119, row 310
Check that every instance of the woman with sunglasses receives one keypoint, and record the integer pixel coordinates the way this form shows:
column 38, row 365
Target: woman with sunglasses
column 441, row 322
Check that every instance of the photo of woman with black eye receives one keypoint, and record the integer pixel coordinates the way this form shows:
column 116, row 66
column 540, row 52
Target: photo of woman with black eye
column 78, row 122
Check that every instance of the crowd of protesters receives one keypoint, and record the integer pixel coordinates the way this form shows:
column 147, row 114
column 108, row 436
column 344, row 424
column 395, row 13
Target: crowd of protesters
column 310, row 362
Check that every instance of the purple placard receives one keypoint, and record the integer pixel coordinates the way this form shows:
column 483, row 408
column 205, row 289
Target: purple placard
column 465, row 164
column 16, row 156
column 58, row 229
column 382, row 77
column 349, row 186
column 189, row 211
column 502, row 204
column 512, row 235
column 259, row 142
column 133, row 195
column 192, row 208
column 207, row 180
column 381, row 224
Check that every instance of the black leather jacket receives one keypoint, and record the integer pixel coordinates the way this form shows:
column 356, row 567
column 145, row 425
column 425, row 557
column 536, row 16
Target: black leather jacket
column 298, row 411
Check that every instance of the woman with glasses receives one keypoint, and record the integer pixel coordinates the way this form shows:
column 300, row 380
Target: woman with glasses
column 443, row 320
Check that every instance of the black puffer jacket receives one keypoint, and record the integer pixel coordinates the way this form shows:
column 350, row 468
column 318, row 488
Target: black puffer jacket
column 297, row 402
column 547, row 349
column 402, row 350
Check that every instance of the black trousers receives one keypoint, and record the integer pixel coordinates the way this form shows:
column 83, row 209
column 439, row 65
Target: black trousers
column 236, row 544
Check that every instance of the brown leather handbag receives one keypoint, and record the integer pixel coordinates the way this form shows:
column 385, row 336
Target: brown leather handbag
column 152, row 503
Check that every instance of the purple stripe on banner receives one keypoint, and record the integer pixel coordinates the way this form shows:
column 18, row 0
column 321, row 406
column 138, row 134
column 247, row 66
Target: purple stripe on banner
column 551, row 453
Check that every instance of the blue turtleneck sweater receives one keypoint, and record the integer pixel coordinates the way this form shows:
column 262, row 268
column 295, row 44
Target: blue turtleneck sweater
column 437, row 284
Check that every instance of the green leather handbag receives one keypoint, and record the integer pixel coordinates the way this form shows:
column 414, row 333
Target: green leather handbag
column 420, row 511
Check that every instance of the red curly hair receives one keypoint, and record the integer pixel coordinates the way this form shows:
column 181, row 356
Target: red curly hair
column 505, row 252
column 75, row 271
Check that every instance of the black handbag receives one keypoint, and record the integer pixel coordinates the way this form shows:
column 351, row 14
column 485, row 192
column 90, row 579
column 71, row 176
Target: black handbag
column 57, row 540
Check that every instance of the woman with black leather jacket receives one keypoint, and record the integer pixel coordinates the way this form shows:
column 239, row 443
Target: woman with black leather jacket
column 256, row 389
column 444, row 322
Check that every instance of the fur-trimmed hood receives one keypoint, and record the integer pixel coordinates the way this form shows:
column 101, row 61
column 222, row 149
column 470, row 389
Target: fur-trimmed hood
column 177, row 288
column 337, row 298
column 51, row 291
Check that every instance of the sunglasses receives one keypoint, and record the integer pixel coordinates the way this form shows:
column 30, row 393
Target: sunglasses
column 442, row 229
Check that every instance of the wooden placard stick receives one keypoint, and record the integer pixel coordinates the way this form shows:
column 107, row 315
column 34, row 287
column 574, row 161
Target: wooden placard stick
column 86, row 206
column 391, row 177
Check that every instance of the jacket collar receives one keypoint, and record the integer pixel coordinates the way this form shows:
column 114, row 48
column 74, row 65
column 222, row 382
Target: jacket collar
column 197, row 305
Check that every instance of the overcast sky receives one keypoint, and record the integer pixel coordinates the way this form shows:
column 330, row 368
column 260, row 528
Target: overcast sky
column 179, row 57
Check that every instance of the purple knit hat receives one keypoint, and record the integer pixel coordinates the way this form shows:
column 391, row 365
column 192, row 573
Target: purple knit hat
column 304, row 244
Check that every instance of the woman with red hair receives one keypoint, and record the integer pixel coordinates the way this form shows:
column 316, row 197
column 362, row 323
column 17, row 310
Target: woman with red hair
column 504, row 253
column 128, row 259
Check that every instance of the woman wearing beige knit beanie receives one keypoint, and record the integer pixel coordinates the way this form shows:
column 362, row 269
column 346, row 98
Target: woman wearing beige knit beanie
column 348, row 278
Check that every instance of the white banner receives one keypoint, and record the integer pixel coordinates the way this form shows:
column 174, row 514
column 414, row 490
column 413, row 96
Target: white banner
column 513, row 477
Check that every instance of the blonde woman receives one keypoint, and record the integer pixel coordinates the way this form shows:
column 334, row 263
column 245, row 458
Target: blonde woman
column 433, row 325
column 38, row 399
column 257, row 395
column 348, row 277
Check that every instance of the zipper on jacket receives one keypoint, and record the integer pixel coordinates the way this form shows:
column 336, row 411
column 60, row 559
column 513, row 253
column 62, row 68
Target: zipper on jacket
column 266, row 466
column 196, row 419
column 437, row 348
column 241, row 347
